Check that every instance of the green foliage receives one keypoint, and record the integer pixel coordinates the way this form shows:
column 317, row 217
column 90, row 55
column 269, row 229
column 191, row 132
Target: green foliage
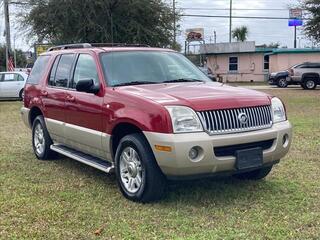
column 240, row 33
column 21, row 59
column 125, row 21
column 312, row 26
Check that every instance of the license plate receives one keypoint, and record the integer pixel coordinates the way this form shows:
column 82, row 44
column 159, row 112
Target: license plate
column 249, row 158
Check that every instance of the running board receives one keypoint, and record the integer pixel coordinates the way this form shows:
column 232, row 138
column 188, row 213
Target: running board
column 84, row 158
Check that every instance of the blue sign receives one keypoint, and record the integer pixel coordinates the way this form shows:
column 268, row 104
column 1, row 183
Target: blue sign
column 295, row 22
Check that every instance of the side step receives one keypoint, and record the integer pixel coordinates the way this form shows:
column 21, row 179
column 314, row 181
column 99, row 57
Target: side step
column 84, row 158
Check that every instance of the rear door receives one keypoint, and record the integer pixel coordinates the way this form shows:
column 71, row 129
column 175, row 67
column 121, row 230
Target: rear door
column 11, row 85
column 54, row 96
column 84, row 110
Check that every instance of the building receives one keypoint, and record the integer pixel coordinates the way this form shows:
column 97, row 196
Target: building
column 244, row 62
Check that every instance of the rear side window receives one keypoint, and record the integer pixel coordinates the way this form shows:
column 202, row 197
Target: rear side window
column 62, row 75
column 38, row 69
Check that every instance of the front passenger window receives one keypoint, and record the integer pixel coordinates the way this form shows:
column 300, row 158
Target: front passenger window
column 86, row 69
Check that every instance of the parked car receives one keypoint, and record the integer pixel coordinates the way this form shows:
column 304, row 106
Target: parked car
column 12, row 84
column 306, row 74
column 151, row 122
column 208, row 72
column 280, row 79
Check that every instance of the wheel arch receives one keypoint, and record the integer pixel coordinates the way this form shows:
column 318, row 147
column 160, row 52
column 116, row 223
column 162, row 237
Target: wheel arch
column 33, row 114
column 121, row 130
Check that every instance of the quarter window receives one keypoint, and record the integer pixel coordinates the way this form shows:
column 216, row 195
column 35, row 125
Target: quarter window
column 233, row 64
column 85, row 69
column 63, row 70
column 38, row 69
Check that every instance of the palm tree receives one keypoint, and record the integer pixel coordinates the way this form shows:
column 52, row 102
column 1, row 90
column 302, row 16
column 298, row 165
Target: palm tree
column 240, row 33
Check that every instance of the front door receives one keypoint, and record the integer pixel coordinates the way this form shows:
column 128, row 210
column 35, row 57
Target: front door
column 83, row 128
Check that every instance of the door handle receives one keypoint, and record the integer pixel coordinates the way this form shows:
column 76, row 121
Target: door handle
column 44, row 93
column 71, row 98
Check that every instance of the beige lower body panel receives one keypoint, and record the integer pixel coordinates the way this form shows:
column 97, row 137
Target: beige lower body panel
column 25, row 116
column 177, row 162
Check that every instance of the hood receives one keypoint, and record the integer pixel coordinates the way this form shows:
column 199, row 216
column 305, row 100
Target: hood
column 199, row 96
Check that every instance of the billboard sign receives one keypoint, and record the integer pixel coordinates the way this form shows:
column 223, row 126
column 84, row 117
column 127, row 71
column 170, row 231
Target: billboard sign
column 195, row 34
column 295, row 13
column 41, row 48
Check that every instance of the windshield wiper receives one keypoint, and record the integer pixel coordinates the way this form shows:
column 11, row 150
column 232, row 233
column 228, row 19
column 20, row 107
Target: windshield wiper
column 183, row 80
column 134, row 83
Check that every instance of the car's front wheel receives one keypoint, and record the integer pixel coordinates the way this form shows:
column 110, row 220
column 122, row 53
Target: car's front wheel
column 41, row 140
column 255, row 175
column 138, row 175
column 282, row 83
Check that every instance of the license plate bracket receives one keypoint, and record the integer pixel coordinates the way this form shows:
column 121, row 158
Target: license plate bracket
column 249, row 158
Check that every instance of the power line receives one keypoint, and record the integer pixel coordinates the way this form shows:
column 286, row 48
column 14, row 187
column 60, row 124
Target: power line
column 239, row 17
column 236, row 9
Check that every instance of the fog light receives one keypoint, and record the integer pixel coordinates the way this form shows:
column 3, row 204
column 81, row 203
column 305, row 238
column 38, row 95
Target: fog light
column 285, row 140
column 193, row 153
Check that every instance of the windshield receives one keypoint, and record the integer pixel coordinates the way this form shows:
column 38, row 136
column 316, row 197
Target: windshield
column 149, row 67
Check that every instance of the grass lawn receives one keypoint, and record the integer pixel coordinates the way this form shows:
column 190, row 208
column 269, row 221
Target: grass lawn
column 63, row 199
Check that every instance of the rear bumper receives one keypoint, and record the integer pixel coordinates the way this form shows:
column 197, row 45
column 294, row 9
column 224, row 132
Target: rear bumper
column 25, row 116
column 177, row 163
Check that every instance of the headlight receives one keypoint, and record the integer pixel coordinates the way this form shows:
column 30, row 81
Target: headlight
column 279, row 113
column 184, row 119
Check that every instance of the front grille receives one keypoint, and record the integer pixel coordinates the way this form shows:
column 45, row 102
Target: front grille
column 231, row 120
column 231, row 150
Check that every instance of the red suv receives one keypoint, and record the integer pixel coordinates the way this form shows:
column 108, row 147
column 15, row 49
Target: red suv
column 149, row 115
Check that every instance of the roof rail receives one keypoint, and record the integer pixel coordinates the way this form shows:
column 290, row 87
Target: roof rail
column 90, row 45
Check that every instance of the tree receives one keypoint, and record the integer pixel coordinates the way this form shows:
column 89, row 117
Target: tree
column 240, row 33
column 126, row 21
column 312, row 25
column 271, row 45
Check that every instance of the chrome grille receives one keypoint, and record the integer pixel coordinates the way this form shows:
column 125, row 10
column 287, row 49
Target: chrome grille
column 236, row 120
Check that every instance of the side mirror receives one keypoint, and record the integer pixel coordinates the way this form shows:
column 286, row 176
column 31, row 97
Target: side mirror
column 87, row 86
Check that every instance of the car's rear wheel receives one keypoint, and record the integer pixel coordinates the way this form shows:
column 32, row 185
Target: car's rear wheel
column 41, row 140
column 282, row 83
column 138, row 175
column 21, row 94
column 309, row 84
column 254, row 175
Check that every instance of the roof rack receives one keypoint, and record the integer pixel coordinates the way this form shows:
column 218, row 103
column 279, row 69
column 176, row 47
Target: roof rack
column 91, row 45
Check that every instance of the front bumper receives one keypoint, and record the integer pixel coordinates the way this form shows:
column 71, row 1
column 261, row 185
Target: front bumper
column 177, row 163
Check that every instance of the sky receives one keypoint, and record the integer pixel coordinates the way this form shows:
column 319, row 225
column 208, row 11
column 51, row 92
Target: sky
column 260, row 31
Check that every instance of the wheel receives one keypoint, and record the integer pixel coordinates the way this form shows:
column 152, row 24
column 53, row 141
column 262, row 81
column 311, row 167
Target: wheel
column 41, row 140
column 282, row 83
column 21, row 94
column 255, row 175
column 309, row 84
column 138, row 175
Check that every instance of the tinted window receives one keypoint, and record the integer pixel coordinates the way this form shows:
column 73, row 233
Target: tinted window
column 233, row 64
column 85, row 69
column 63, row 70
column 38, row 69
column 51, row 81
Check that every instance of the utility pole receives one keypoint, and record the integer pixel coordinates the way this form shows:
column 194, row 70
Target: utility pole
column 174, row 23
column 215, row 36
column 7, row 30
column 295, row 37
column 230, row 24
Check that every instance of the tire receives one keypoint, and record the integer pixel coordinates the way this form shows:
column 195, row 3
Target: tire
column 21, row 94
column 254, row 175
column 138, row 174
column 41, row 140
column 309, row 83
column 282, row 83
